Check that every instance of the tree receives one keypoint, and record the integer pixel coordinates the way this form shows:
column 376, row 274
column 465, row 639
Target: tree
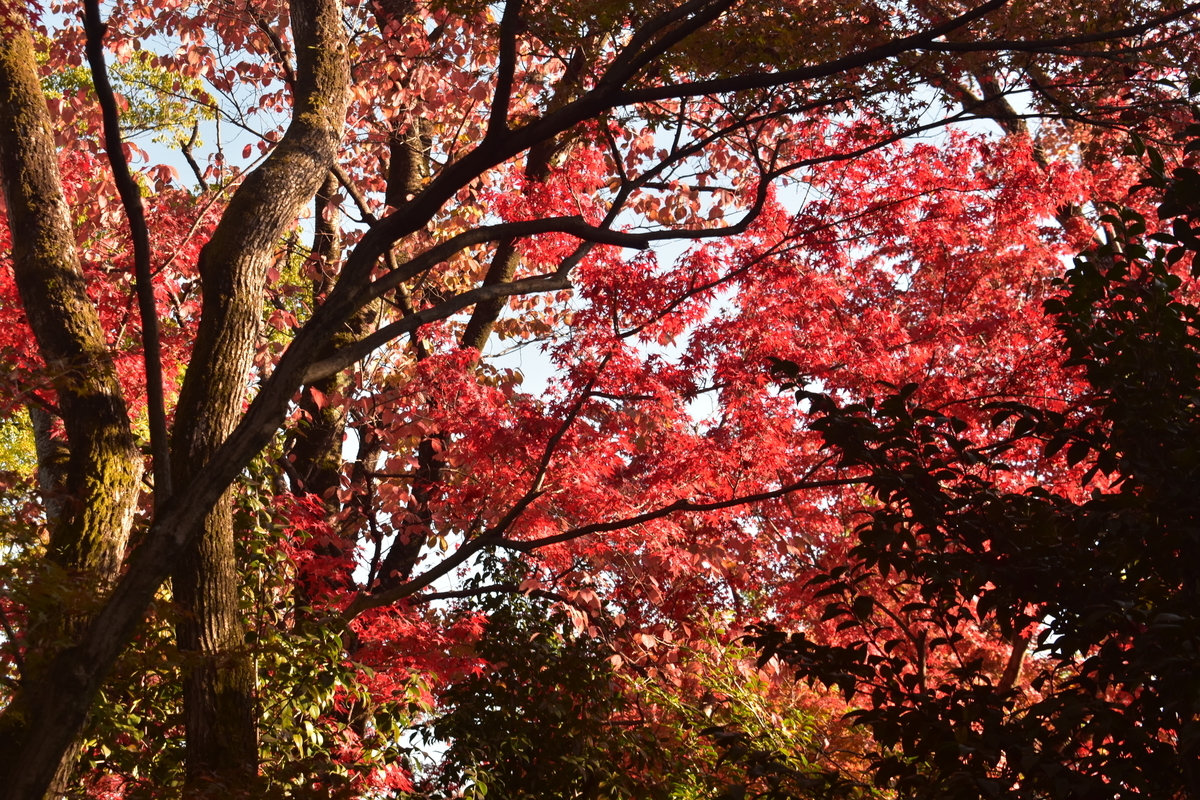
column 492, row 157
column 1101, row 578
column 550, row 713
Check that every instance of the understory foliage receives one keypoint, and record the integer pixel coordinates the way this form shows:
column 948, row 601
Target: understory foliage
column 1099, row 585
column 387, row 406
column 553, row 713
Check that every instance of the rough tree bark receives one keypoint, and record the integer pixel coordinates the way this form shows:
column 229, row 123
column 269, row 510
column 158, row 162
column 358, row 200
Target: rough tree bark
column 103, row 465
column 314, row 453
column 219, row 704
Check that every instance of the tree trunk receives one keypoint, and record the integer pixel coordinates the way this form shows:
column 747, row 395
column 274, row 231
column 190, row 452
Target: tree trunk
column 219, row 701
column 91, row 509
column 315, row 451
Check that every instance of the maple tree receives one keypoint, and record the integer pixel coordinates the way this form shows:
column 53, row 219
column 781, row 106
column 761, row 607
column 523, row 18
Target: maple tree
column 1103, row 581
column 195, row 364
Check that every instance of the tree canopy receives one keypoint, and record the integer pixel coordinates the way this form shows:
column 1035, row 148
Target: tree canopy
column 1100, row 584
column 289, row 495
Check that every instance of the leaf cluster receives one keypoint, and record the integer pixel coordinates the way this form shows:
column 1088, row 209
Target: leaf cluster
column 543, row 717
column 1101, row 583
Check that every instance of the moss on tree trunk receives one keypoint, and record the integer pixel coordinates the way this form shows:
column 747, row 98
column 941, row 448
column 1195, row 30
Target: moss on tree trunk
column 99, row 484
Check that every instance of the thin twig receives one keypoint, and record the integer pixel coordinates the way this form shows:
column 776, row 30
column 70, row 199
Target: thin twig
column 488, row 539
column 186, row 148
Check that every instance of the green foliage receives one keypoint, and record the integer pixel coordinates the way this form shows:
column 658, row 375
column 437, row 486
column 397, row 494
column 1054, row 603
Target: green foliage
column 152, row 99
column 738, row 731
column 546, row 717
column 17, row 453
column 321, row 734
column 134, row 737
column 552, row 713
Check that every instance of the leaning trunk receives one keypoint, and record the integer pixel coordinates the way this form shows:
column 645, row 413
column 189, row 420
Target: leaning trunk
column 219, row 702
column 95, row 492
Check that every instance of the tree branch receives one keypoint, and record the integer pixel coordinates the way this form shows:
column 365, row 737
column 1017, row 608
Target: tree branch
column 509, row 25
column 535, row 486
column 360, row 200
column 277, row 46
column 674, row 508
column 264, row 205
column 186, row 149
column 639, row 49
column 131, row 199
column 489, row 538
column 1043, row 45
column 766, row 80
column 346, row 356
column 493, row 588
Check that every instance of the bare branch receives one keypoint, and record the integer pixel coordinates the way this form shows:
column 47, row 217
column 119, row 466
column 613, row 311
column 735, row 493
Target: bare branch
column 360, row 200
column 277, row 46
column 186, row 149
column 674, row 508
column 509, row 25
column 131, row 199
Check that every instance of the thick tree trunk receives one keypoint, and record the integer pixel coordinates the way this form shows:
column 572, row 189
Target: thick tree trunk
column 316, row 443
column 104, row 464
column 219, row 701
column 93, row 494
